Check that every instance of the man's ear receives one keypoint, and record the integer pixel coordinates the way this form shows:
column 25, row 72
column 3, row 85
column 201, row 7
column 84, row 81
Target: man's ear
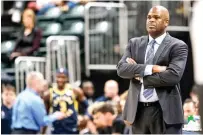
column 166, row 23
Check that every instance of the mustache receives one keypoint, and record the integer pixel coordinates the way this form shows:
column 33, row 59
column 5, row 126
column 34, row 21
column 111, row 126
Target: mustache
column 151, row 24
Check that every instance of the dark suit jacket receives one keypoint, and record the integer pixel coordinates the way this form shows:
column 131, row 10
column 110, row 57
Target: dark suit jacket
column 171, row 53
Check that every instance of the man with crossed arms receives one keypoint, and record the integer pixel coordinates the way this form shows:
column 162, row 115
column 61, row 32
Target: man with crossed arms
column 155, row 65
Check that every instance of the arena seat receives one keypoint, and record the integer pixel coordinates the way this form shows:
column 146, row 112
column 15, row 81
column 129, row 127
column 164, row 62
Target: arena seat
column 73, row 27
column 50, row 28
column 75, row 13
column 7, row 46
column 6, row 49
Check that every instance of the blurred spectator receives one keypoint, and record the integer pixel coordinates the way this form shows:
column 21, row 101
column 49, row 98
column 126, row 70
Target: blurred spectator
column 88, row 89
column 38, row 4
column 110, row 92
column 29, row 38
column 195, row 98
column 189, row 109
column 63, row 97
column 106, row 120
column 44, row 93
column 61, row 4
column 29, row 113
column 44, row 5
column 8, row 98
column 83, row 125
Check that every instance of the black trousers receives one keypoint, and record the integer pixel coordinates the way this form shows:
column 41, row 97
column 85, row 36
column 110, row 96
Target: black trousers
column 149, row 120
column 24, row 131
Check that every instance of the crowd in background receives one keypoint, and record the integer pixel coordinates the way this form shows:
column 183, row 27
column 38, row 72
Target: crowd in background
column 99, row 115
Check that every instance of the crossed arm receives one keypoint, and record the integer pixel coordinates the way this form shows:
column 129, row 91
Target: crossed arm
column 161, row 75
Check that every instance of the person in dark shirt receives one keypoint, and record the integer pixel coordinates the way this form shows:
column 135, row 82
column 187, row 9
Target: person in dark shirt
column 8, row 98
column 88, row 89
column 107, row 121
column 28, row 40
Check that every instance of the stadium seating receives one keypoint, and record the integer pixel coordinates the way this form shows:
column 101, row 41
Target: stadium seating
column 73, row 27
column 75, row 13
column 51, row 15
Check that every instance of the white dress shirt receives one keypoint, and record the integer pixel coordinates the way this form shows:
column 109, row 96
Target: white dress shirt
column 148, row 69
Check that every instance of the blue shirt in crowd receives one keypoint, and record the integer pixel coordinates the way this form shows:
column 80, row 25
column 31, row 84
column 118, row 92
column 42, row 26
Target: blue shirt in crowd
column 29, row 111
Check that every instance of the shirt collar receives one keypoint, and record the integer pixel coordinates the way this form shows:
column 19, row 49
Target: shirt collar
column 31, row 90
column 158, row 39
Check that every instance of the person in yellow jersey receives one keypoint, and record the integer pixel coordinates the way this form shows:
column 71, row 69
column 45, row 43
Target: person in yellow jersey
column 63, row 97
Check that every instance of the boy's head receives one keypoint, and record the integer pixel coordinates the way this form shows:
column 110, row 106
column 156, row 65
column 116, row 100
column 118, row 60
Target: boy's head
column 103, row 115
column 8, row 95
column 188, row 108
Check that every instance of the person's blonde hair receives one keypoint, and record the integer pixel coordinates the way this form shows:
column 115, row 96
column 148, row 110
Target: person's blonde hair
column 31, row 12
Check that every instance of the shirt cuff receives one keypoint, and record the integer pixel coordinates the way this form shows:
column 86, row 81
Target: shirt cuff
column 52, row 118
column 141, row 79
column 148, row 70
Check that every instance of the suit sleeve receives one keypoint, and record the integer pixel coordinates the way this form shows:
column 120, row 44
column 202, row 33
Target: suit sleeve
column 174, row 71
column 129, row 71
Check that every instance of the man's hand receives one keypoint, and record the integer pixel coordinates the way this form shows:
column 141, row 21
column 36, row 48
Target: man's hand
column 127, row 123
column 158, row 69
column 15, row 54
column 59, row 115
column 130, row 61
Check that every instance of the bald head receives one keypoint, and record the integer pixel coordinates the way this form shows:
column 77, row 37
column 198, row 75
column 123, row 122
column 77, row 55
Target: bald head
column 162, row 10
column 35, row 80
column 157, row 21
column 111, row 88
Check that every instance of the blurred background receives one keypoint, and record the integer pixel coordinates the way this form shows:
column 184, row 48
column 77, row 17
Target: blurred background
column 88, row 37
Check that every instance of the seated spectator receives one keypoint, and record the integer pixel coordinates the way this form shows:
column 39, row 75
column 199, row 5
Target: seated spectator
column 29, row 38
column 188, row 108
column 83, row 125
column 194, row 97
column 110, row 92
column 192, row 119
column 88, row 89
column 106, row 120
column 63, row 5
column 8, row 98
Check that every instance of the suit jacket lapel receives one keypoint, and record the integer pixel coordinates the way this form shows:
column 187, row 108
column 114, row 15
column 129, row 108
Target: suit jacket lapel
column 161, row 48
column 142, row 49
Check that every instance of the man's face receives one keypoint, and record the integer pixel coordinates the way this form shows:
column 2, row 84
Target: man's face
column 8, row 96
column 99, row 120
column 156, row 21
column 189, row 109
column 61, row 79
column 111, row 90
column 88, row 89
column 195, row 99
